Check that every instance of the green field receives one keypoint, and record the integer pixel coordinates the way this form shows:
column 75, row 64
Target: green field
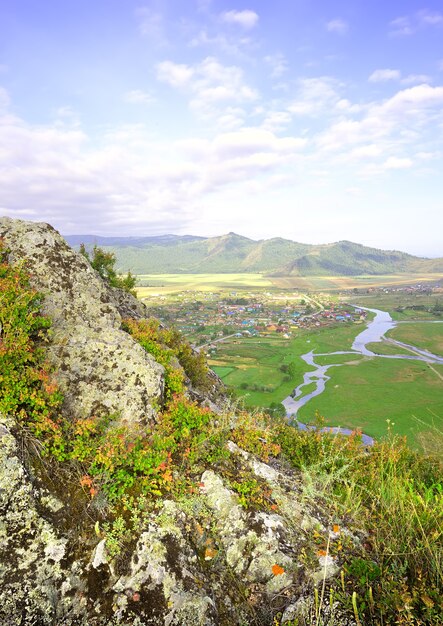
column 153, row 284
column 331, row 359
column 385, row 347
column 364, row 396
column 342, row 283
column 363, row 392
column 403, row 306
column 255, row 362
column 252, row 367
column 426, row 335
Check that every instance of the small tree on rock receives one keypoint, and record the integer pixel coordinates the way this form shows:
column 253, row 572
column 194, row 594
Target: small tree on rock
column 104, row 263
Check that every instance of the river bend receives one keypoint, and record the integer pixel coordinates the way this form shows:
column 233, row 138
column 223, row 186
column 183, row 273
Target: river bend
column 373, row 333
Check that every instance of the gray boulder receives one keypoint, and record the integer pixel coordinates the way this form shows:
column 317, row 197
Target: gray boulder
column 100, row 368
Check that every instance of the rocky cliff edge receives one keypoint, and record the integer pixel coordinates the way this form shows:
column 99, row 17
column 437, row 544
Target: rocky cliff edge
column 205, row 558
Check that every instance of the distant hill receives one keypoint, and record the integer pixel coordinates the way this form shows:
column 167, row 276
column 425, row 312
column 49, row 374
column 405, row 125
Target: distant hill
column 232, row 253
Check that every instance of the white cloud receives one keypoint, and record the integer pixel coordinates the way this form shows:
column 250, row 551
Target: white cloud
column 337, row 26
column 416, row 78
column 247, row 18
column 315, row 96
column 405, row 120
column 151, row 25
column 379, row 76
column 230, row 45
column 4, row 99
column 371, row 150
column 276, row 121
column 137, row 96
column 277, row 63
column 410, row 24
column 210, row 84
column 396, row 163
column 343, row 105
column 401, row 26
column 175, row 74
column 430, row 17
column 58, row 175
column 253, row 141
column 427, row 156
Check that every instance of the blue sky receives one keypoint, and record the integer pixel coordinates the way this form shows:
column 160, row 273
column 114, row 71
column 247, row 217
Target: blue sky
column 312, row 120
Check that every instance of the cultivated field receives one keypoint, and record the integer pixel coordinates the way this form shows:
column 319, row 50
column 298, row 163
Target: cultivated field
column 153, row 284
column 166, row 283
column 342, row 283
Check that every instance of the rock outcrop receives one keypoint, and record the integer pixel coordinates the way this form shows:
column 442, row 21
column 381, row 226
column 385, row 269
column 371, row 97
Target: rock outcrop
column 100, row 368
column 205, row 559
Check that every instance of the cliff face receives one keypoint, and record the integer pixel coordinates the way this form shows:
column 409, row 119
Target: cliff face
column 204, row 558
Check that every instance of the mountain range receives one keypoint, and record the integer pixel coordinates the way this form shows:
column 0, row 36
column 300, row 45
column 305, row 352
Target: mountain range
column 232, row 253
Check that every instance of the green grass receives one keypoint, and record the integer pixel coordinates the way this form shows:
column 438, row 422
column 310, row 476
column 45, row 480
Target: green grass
column 384, row 347
column 307, row 389
column 221, row 371
column 427, row 336
column 331, row 359
column 366, row 395
column 401, row 300
column 255, row 362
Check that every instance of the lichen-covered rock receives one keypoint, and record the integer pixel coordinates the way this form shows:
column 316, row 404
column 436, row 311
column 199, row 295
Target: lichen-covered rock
column 31, row 550
column 100, row 368
column 194, row 563
column 209, row 558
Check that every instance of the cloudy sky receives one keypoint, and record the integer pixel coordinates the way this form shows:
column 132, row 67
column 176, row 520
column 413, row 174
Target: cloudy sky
column 314, row 120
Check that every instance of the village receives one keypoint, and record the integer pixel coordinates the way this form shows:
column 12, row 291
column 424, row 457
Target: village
column 208, row 318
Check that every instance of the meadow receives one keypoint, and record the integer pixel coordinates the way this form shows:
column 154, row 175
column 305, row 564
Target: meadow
column 425, row 335
column 365, row 396
column 403, row 306
column 252, row 366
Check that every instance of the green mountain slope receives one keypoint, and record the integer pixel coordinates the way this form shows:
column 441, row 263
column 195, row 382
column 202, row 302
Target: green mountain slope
column 232, row 253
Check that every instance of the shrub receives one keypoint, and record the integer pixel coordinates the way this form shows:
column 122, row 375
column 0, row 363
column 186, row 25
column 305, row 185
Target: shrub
column 27, row 389
column 104, row 263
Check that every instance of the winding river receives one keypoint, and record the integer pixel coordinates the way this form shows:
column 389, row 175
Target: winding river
column 374, row 332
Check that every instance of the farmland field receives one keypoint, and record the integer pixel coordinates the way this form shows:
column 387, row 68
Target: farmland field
column 425, row 335
column 167, row 283
column 152, row 284
column 341, row 283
